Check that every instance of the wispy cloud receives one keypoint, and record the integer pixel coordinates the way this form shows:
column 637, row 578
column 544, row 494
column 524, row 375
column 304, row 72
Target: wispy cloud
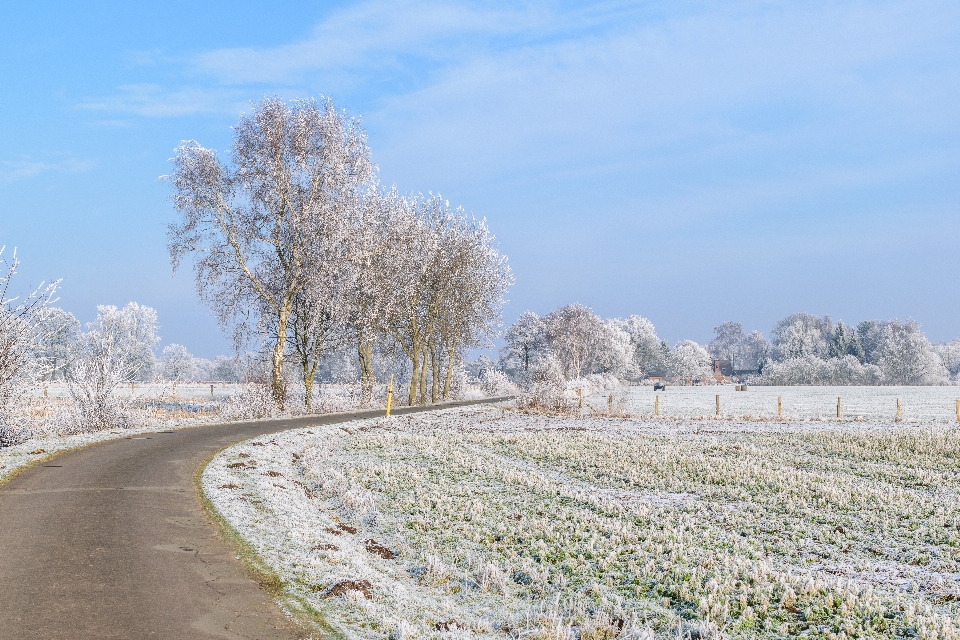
column 154, row 100
column 26, row 168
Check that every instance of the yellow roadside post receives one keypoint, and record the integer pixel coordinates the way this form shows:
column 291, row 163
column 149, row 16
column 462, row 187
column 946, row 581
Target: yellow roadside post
column 838, row 407
column 718, row 405
column 898, row 410
column 610, row 405
column 389, row 395
column 779, row 406
column 656, row 406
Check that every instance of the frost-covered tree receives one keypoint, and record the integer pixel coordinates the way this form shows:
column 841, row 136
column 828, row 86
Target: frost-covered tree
column 728, row 344
column 133, row 332
column 225, row 369
column 317, row 326
column 870, row 336
column 176, row 363
column 811, row 370
column 56, row 344
column 845, row 342
column 254, row 224
column 526, row 342
column 949, row 353
column 801, row 334
column 690, row 360
column 907, row 357
column 620, row 358
column 757, row 350
column 648, row 352
column 447, row 285
column 577, row 338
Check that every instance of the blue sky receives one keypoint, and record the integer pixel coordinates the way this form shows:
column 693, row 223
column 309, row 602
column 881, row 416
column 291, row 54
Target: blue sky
column 689, row 162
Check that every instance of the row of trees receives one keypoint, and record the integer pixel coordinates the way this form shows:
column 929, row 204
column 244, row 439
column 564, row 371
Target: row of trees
column 578, row 343
column 803, row 349
column 296, row 247
column 127, row 337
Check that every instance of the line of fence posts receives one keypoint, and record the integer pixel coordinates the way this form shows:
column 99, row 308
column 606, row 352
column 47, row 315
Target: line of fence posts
column 656, row 406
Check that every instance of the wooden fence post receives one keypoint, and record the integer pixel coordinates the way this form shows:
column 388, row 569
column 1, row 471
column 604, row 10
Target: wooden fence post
column 610, row 405
column 899, row 413
column 779, row 406
column 718, row 405
column 656, row 407
column 838, row 407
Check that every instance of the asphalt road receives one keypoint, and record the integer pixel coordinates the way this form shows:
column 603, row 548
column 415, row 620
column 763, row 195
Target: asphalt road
column 111, row 541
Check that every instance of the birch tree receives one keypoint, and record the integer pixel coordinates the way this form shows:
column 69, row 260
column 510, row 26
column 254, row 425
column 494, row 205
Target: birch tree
column 252, row 225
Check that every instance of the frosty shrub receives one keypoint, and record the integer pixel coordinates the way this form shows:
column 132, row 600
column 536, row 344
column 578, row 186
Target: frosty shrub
column 549, row 394
column 811, row 370
column 594, row 383
column 495, row 383
column 92, row 382
column 19, row 330
column 116, row 348
column 252, row 402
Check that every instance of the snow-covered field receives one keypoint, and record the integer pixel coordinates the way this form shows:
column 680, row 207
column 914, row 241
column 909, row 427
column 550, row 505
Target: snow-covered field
column 918, row 404
column 482, row 521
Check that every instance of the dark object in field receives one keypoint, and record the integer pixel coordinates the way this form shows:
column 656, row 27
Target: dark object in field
column 229, row 486
column 326, row 546
column 449, row 625
column 659, row 386
column 237, row 465
column 343, row 586
column 346, row 527
column 378, row 549
column 521, row 577
column 273, row 474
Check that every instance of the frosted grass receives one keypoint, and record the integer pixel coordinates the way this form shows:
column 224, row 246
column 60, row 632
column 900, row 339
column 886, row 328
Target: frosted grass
column 520, row 526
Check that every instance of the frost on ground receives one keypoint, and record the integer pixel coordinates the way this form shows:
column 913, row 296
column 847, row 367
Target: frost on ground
column 481, row 521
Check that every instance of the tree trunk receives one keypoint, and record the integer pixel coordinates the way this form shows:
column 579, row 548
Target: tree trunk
column 446, row 382
column 307, row 391
column 276, row 383
column 309, row 373
column 423, row 376
column 365, row 354
column 434, row 361
column 415, row 376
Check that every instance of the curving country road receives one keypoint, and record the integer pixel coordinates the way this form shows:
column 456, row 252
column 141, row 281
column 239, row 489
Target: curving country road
column 111, row 541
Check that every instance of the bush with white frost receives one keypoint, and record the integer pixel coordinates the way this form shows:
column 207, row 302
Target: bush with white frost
column 811, row 370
